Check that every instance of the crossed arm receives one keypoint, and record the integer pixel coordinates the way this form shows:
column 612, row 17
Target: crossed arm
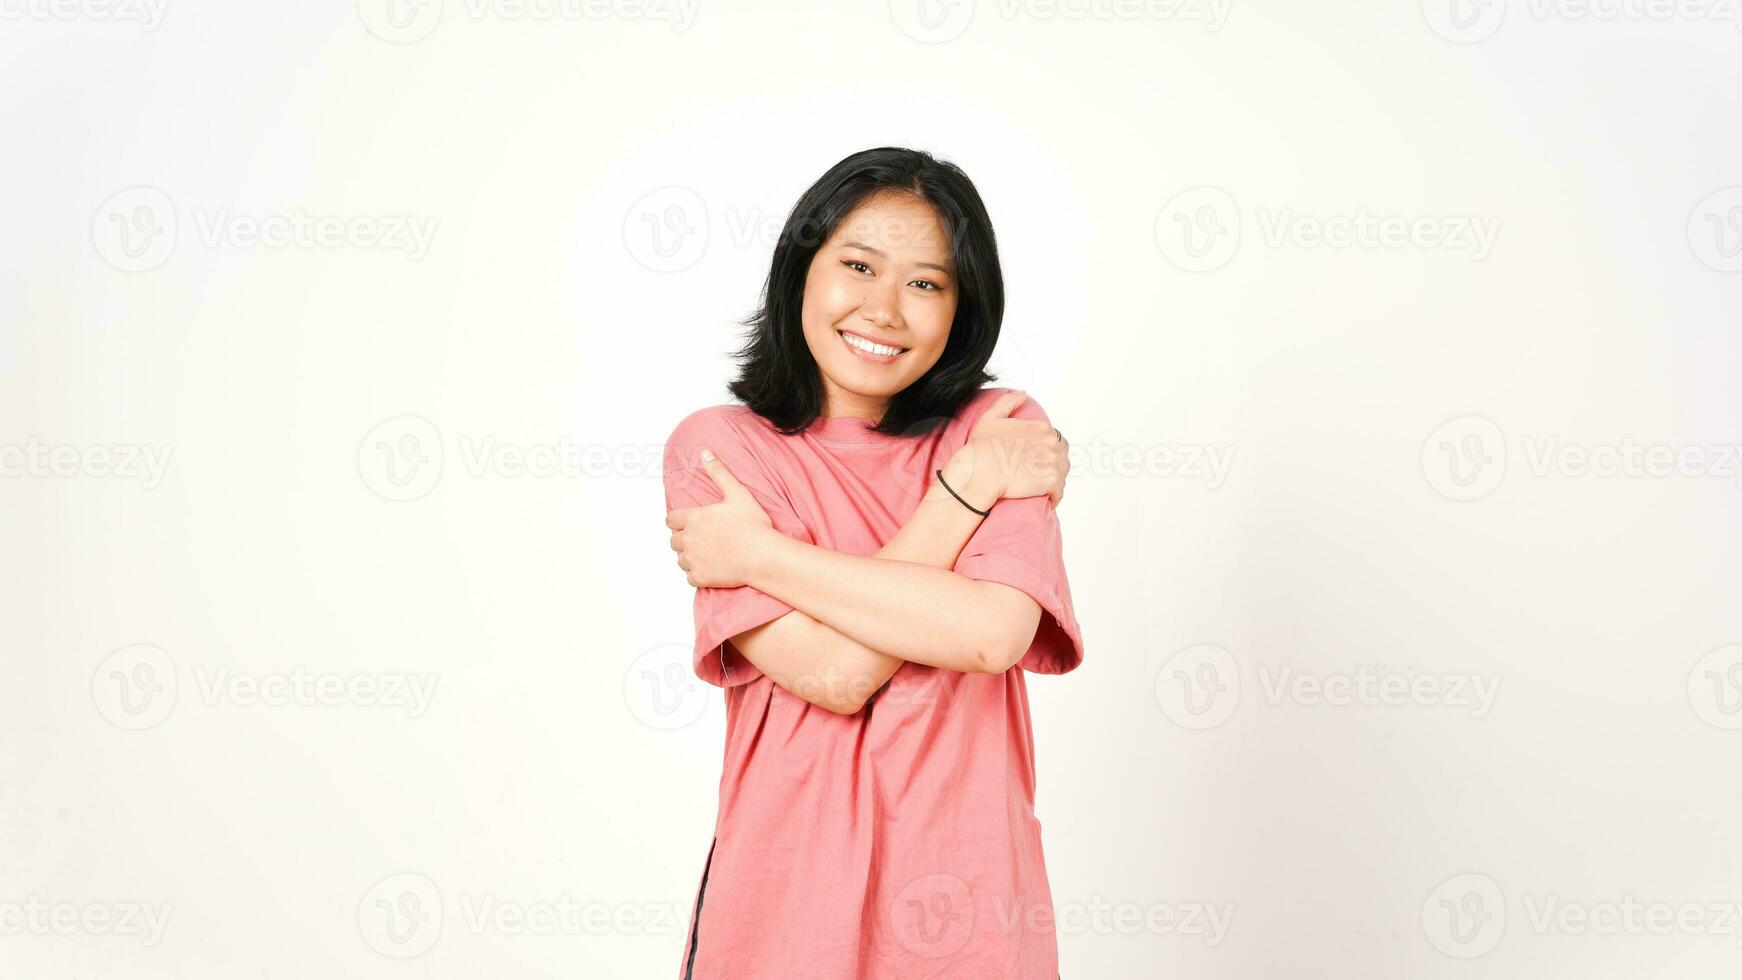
column 856, row 619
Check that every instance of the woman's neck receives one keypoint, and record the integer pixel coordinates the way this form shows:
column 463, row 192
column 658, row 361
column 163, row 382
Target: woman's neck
column 849, row 407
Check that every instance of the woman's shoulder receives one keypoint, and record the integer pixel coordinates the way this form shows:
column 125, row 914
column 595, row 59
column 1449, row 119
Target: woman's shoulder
column 1028, row 408
column 720, row 427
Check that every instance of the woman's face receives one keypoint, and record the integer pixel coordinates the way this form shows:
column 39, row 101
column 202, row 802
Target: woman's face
column 886, row 277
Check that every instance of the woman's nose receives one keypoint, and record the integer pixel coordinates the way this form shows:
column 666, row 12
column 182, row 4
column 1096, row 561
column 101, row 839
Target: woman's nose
column 880, row 306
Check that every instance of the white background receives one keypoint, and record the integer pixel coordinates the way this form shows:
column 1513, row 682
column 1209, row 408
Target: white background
column 298, row 393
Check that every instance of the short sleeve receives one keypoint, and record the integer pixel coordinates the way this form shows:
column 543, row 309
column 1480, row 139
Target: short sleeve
column 1021, row 545
column 721, row 614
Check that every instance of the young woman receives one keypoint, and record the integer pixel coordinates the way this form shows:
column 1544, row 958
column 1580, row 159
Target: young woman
column 877, row 563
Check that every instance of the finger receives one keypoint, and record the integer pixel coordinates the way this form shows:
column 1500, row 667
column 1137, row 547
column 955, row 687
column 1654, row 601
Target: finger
column 677, row 518
column 721, row 476
column 1003, row 405
column 683, row 563
column 674, row 545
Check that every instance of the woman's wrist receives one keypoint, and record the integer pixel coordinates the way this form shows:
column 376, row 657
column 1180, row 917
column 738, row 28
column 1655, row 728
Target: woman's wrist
column 979, row 485
column 762, row 555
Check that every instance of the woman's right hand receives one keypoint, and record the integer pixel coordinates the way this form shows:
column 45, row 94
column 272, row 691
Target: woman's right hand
column 1014, row 457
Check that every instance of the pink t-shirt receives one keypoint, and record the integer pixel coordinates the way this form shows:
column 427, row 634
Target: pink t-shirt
column 900, row 842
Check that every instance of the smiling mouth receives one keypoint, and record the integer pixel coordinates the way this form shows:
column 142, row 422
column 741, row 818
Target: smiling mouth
column 870, row 349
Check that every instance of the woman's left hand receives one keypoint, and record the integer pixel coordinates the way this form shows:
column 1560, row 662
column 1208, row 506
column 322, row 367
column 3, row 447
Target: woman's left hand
column 716, row 544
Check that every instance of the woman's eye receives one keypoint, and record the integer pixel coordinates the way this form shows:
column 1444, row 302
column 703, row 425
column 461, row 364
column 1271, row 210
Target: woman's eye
column 858, row 266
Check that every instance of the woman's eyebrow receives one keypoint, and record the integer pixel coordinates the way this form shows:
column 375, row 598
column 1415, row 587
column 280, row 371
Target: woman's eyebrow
column 879, row 253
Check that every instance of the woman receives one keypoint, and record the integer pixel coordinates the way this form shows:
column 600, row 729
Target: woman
column 877, row 563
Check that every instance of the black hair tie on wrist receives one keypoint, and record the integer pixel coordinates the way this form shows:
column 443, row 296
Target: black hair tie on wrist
column 953, row 493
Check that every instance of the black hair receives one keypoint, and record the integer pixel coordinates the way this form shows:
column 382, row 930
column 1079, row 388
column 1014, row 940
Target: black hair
column 777, row 376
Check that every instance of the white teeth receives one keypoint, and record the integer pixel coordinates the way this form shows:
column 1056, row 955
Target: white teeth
column 869, row 346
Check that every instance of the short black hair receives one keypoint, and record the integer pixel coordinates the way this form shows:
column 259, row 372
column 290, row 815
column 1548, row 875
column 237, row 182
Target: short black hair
column 778, row 378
